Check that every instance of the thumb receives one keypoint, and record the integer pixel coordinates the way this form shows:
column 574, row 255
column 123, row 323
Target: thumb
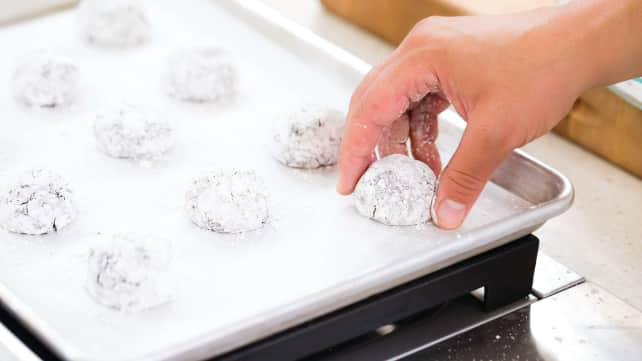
column 481, row 150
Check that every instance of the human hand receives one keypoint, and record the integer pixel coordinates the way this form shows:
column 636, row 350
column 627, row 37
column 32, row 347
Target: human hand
column 508, row 76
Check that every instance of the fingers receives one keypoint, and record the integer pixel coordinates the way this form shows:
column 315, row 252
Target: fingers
column 405, row 79
column 357, row 95
column 369, row 78
column 424, row 130
column 480, row 151
column 393, row 138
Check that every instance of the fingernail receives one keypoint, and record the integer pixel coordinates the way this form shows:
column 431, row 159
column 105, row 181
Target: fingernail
column 450, row 214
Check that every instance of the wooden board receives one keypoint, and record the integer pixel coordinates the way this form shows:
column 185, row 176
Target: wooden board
column 17, row 10
column 392, row 19
column 600, row 121
column 608, row 126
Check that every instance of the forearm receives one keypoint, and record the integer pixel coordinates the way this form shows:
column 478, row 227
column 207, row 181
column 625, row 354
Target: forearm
column 606, row 37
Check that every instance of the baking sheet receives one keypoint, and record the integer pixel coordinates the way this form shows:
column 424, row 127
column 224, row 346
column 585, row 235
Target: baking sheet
column 316, row 255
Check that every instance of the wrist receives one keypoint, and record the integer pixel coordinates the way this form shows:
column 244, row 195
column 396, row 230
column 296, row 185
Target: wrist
column 600, row 40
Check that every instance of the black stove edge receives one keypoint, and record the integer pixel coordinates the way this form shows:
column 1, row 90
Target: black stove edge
column 10, row 321
column 506, row 273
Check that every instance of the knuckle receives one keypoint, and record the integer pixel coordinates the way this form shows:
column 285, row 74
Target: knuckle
column 432, row 34
column 421, row 32
column 429, row 23
column 413, row 40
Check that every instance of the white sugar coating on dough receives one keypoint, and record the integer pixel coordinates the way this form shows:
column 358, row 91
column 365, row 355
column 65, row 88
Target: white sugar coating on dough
column 38, row 202
column 113, row 23
column 43, row 79
column 134, row 132
column 396, row 191
column 130, row 272
column 307, row 137
column 201, row 74
column 229, row 201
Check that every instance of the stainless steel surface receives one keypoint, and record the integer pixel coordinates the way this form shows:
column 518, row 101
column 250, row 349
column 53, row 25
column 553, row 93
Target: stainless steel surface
column 552, row 277
column 12, row 349
column 582, row 323
column 420, row 332
column 317, row 256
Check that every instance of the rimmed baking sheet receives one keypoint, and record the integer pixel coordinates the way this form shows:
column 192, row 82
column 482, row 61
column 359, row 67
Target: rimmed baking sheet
column 316, row 256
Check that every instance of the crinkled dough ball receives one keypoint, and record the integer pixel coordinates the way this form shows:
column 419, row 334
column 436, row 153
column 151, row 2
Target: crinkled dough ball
column 38, row 202
column 45, row 80
column 307, row 137
column 133, row 132
column 114, row 23
column 130, row 272
column 396, row 190
column 231, row 201
column 201, row 74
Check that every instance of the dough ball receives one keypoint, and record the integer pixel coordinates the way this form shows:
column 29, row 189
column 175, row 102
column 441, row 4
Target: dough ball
column 228, row 201
column 129, row 272
column 45, row 80
column 396, row 191
column 308, row 137
column 201, row 74
column 39, row 202
column 133, row 132
column 113, row 23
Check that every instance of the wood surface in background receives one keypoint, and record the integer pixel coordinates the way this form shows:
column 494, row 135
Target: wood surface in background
column 16, row 10
column 607, row 125
column 392, row 19
column 600, row 121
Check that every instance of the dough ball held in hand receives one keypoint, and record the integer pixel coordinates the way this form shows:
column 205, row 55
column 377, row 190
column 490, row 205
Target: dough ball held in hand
column 201, row 74
column 130, row 272
column 45, row 80
column 38, row 202
column 307, row 137
column 113, row 23
column 231, row 201
column 396, row 191
column 133, row 132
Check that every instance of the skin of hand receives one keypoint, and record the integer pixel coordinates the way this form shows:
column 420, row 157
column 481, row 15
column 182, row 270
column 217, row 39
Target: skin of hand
column 511, row 77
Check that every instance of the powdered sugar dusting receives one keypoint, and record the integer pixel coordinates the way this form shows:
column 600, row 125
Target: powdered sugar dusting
column 308, row 137
column 46, row 80
column 228, row 201
column 134, row 132
column 200, row 74
column 39, row 202
column 130, row 272
column 396, row 191
column 113, row 23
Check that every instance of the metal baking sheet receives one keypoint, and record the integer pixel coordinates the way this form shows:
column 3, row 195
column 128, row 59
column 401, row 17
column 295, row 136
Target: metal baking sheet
column 317, row 254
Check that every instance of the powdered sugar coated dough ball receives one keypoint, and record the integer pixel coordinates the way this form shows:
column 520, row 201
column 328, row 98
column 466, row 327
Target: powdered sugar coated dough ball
column 45, row 80
column 307, row 137
column 396, row 191
column 38, row 202
column 228, row 201
column 201, row 74
column 134, row 132
column 113, row 23
column 130, row 272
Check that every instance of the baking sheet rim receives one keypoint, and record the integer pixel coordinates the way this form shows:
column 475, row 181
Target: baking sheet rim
column 215, row 343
